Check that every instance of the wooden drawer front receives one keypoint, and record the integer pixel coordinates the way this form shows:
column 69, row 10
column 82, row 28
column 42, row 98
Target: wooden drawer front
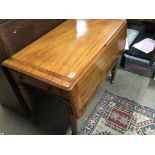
column 86, row 88
column 38, row 84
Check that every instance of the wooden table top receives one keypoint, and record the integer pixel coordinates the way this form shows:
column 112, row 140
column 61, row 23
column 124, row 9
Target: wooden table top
column 63, row 55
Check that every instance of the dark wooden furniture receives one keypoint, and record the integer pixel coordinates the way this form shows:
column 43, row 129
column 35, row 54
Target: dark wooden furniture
column 15, row 34
column 70, row 62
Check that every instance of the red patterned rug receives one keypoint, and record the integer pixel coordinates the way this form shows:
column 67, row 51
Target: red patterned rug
column 114, row 115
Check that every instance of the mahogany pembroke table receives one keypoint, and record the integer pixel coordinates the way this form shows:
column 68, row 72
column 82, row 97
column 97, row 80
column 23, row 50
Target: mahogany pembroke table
column 70, row 62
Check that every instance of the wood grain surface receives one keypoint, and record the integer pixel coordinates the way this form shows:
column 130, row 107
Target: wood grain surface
column 73, row 59
column 60, row 56
column 85, row 89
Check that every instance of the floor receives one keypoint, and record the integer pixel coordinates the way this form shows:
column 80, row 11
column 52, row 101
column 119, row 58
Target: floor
column 53, row 114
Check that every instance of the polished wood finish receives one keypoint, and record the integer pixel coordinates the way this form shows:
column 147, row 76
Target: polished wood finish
column 66, row 50
column 86, row 87
column 71, row 60
column 15, row 34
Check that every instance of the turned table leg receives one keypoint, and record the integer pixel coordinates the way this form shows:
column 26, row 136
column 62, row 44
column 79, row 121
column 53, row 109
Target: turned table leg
column 72, row 120
column 73, row 124
column 152, row 58
column 113, row 73
column 28, row 99
column 13, row 84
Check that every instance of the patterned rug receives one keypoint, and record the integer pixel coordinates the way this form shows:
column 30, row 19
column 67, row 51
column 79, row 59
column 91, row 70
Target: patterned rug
column 114, row 115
